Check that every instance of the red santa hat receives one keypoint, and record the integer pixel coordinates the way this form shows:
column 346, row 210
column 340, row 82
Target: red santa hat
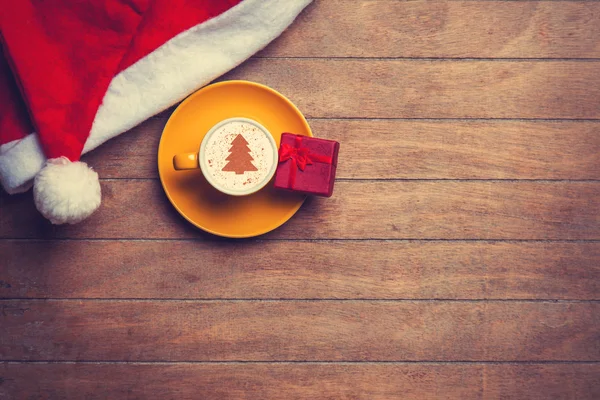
column 74, row 74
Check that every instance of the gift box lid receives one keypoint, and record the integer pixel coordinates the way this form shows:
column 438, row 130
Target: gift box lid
column 324, row 147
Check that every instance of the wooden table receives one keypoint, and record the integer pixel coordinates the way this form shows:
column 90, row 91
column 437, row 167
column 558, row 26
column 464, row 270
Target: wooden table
column 459, row 257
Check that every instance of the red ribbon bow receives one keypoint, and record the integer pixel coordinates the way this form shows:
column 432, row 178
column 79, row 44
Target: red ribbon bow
column 300, row 157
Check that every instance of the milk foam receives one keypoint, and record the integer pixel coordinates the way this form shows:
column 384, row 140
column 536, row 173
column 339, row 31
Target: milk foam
column 219, row 147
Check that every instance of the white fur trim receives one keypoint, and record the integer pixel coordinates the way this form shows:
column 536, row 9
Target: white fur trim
column 20, row 160
column 166, row 76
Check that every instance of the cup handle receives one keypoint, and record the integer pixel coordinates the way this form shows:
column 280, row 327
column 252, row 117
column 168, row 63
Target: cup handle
column 185, row 161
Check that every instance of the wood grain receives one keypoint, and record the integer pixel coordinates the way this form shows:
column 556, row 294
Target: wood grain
column 301, row 270
column 298, row 331
column 336, row 88
column 479, row 29
column 456, row 93
column 301, row 381
column 410, row 149
column 358, row 210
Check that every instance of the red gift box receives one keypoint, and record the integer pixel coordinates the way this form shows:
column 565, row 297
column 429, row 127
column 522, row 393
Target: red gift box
column 307, row 165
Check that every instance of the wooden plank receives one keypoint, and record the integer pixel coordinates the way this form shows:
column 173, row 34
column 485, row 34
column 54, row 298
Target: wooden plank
column 410, row 149
column 301, row 381
column 335, row 88
column 282, row 270
column 298, row 330
column 479, row 29
column 400, row 210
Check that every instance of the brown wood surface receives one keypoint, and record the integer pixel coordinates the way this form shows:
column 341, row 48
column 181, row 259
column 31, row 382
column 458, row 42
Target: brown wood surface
column 458, row 259
column 301, row 381
column 300, row 270
column 293, row 330
column 473, row 29
column 401, row 210
column 410, row 149
column 352, row 88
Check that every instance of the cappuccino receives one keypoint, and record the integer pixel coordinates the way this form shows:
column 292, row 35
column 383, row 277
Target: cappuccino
column 238, row 156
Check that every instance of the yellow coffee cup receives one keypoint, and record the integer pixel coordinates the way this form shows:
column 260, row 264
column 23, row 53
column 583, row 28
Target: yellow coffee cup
column 237, row 156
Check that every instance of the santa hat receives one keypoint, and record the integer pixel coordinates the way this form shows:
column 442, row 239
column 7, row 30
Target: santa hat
column 74, row 74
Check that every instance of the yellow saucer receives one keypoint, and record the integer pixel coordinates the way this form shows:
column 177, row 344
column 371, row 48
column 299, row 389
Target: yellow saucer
column 190, row 193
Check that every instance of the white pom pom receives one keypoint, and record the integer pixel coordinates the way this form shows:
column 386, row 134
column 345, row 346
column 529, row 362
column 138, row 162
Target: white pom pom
column 66, row 192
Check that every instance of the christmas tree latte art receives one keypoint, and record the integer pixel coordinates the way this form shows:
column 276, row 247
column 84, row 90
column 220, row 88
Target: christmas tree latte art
column 240, row 160
column 239, row 157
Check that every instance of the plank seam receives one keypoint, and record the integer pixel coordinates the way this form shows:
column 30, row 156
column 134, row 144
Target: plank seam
column 596, row 120
column 495, row 180
column 297, row 300
column 430, row 59
column 163, row 115
column 292, row 362
column 215, row 240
